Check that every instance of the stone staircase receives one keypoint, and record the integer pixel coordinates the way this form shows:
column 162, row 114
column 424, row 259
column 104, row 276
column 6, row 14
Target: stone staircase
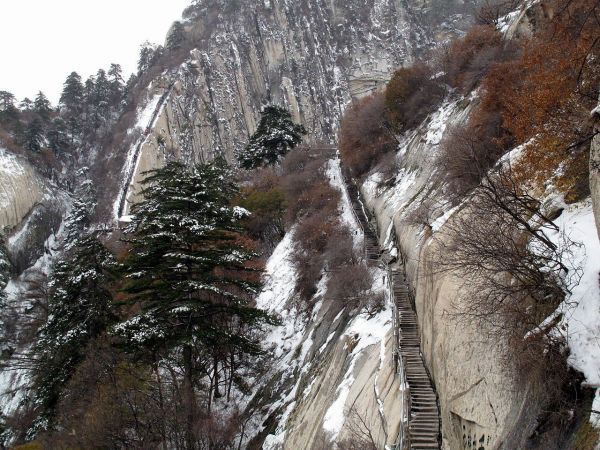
column 372, row 250
column 424, row 426
column 424, row 420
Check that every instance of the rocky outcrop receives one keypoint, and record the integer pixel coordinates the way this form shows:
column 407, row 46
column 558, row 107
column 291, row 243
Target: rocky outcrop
column 312, row 56
column 30, row 208
column 20, row 189
column 373, row 402
column 529, row 19
column 479, row 398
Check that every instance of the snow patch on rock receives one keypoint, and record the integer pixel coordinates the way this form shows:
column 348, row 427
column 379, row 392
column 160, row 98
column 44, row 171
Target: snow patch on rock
column 581, row 308
column 144, row 115
column 583, row 320
column 364, row 332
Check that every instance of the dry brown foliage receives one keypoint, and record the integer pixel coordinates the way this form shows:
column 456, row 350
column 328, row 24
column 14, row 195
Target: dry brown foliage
column 546, row 94
column 467, row 59
column 468, row 151
column 364, row 138
column 411, row 95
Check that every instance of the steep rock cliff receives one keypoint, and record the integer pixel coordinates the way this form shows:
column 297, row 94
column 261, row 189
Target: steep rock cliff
column 20, row 189
column 312, row 56
column 481, row 397
column 333, row 375
column 30, row 209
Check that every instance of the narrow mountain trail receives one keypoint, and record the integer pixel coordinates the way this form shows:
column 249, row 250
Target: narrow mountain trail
column 423, row 430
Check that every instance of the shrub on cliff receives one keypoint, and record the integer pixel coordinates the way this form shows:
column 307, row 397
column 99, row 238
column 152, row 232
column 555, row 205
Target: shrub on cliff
column 411, row 95
column 467, row 60
column 275, row 136
column 267, row 205
column 364, row 138
column 468, row 151
column 544, row 97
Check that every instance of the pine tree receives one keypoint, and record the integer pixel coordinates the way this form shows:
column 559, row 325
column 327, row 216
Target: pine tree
column 187, row 269
column 72, row 96
column 80, row 309
column 89, row 89
column 102, row 97
column 148, row 54
column 58, row 136
column 276, row 135
column 115, row 73
column 115, row 77
column 8, row 111
column 7, row 100
column 34, row 135
column 176, row 36
column 90, row 116
column 26, row 104
column 80, row 216
column 41, row 106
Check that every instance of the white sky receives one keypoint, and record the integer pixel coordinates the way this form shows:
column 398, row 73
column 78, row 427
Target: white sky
column 42, row 41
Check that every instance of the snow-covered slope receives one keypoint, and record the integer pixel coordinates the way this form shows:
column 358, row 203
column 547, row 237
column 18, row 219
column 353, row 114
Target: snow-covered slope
column 330, row 364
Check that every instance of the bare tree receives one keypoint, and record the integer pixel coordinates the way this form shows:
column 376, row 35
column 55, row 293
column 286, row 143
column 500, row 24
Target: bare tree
column 512, row 273
column 360, row 433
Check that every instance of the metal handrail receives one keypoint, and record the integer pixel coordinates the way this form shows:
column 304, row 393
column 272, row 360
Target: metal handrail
column 403, row 441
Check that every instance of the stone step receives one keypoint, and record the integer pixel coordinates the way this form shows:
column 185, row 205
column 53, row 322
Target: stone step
column 430, row 422
column 424, row 436
column 422, row 409
column 424, row 445
column 424, row 415
column 428, row 430
column 427, row 436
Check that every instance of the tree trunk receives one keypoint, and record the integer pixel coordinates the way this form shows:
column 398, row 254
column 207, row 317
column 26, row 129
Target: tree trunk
column 161, row 402
column 216, row 374
column 231, row 372
column 190, row 399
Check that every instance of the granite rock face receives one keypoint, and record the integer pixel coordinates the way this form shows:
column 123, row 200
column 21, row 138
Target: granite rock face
column 20, row 189
column 31, row 209
column 480, row 399
column 311, row 56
